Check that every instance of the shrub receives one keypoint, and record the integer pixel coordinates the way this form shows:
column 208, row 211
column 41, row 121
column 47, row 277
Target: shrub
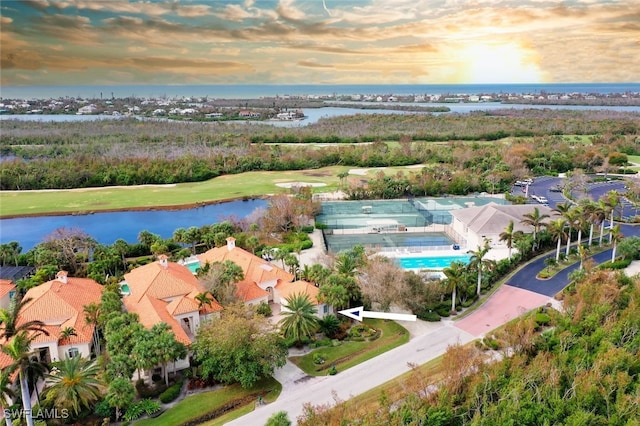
column 171, row 393
column 428, row 315
column 333, row 370
column 103, row 409
column 307, row 229
column 279, row 419
column 318, row 359
column 542, row 319
column 264, row 309
column 145, row 391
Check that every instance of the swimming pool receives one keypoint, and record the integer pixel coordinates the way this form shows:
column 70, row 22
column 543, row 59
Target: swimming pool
column 193, row 267
column 124, row 288
column 438, row 262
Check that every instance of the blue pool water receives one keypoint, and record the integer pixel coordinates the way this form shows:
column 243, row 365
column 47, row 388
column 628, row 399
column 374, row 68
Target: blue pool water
column 439, row 262
column 193, row 267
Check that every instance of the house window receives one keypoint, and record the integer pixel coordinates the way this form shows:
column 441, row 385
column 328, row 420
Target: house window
column 73, row 352
column 325, row 309
column 12, row 293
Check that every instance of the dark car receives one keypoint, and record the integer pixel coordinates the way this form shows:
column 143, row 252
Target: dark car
column 556, row 188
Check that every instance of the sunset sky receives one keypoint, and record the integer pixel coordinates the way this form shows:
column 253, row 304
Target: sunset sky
column 87, row 42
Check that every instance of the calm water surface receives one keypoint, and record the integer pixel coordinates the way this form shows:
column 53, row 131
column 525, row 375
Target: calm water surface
column 110, row 226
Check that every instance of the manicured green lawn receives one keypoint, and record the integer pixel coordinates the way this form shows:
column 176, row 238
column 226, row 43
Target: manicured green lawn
column 351, row 353
column 245, row 185
column 195, row 406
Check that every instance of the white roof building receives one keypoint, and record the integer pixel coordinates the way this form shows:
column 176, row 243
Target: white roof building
column 475, row 224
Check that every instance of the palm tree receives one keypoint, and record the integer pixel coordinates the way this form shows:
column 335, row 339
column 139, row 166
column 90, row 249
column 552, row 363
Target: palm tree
column 600, row 212
column 6, row 392
column 507, row 237
column 203, row 299
column 9, row 320
column 73, row 384
column 299, row 317
column 536, row 221
column 65, row 335
column 612, row 200
column 557, row 232
column 91, row 317
column 615, row 236
column 455, row 277
column 571, row 216
column 578, row 222
column 19, row 350
column 479, row 263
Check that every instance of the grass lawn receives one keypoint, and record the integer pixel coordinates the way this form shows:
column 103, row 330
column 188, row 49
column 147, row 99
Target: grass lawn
column 351, row 353
column 245, row 185
column 207, row 403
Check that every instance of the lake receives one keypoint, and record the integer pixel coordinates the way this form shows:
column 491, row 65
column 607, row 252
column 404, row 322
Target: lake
column 110, row 226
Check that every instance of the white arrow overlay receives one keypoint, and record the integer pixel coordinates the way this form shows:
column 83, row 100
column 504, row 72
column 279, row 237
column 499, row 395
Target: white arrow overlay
column 359, row 313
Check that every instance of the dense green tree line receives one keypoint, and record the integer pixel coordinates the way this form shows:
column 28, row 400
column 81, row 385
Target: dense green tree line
column 130, row 152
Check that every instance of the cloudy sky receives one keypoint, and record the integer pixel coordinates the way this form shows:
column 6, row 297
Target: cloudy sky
column 86, row 42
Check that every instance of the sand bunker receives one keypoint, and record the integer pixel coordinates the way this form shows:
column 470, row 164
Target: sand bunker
column 299, row 184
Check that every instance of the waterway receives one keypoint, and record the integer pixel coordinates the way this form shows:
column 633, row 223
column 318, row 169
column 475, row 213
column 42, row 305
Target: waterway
column 109, row 226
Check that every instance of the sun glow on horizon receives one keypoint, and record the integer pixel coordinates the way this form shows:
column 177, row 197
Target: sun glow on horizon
column 493, row 63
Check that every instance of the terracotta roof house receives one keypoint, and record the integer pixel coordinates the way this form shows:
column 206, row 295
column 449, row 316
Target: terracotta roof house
column 165, row 291
column 260, row 277
column 475, row 224
column 7, row 291
column 60, row 304
column 285, row 290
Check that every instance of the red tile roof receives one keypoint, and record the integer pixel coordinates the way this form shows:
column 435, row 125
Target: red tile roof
column 248, row 291
column 162, row 289
column 255, row 269
column 60, row 305
column 288, row 289
column 6, row 286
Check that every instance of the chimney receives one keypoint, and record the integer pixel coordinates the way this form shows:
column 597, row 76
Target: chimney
column 164, row 260
column 62, row 276
column 231, row 243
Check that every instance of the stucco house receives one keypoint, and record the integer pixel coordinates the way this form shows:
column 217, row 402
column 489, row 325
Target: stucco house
column 165, row 291
column 7, row 292
column 260, row 277
column 475, row 224
column 285, row 290
column 59, row 304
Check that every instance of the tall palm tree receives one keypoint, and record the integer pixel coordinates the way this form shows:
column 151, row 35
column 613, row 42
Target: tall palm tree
column 9, row 320
column 556, row 229
column 600, row 213
column 6, row 392
column 578, row 223
column 615, row 236
column 73, row 384
column 91, row 317
column 479, row 263
column 612, row 200
column 507, row 237
column 455, row 277
column 299, row 317
column 571, row 216
column 19, row 350
column 536, row 221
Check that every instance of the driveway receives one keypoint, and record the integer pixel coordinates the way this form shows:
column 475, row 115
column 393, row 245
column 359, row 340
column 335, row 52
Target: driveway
column 358, row 379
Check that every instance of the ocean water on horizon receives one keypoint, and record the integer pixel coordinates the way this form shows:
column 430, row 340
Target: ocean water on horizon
column 250, row 91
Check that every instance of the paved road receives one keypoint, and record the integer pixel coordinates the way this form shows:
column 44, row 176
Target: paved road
column 358, row 379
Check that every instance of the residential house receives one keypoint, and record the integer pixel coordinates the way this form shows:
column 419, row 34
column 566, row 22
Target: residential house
column 165, row 291
column 59, row 304
column 260, row 277
column 474, row 224
column 7, row 292
column 285, row 290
